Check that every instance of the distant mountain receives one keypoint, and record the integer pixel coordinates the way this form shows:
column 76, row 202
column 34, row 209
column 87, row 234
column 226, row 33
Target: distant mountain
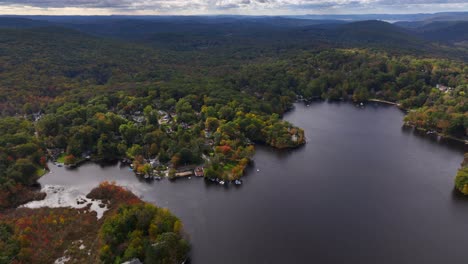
column 445, row 31
column 457, row 16
column 410, row 24
column 262, row 33
column 18, row 22
column 439, row 31
column 135, row 28
column 372, row 32
column 445, row 16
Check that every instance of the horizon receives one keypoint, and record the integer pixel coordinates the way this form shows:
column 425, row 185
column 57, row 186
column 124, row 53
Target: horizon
column 239, row 15
column 227, row 7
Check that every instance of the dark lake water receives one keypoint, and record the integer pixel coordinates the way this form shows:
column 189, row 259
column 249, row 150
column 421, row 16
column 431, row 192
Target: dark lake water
column 363, row 190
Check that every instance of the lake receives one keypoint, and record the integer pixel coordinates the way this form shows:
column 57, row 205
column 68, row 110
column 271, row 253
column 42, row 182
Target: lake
column 363, row 190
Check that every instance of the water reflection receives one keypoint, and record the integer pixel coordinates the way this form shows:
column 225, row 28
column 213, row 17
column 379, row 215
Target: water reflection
column 457, row 196
column 436, row 139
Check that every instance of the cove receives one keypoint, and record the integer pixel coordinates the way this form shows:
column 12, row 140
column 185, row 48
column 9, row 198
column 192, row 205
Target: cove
column 362, row 190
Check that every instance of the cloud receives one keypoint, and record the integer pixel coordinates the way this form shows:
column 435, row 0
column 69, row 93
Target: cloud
column 229, row 6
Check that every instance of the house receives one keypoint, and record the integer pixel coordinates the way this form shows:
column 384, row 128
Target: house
column 443, row 88
column 138, row 118
column 294, row 138
column 154, row 163
column 37, row 116
column 199, row 172
column 209, row 142
column 133, row 261
column 184, row 125
column 162, row 113
column 207, row 133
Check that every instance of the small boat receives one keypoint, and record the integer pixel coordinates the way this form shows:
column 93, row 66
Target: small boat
column 59, row 165
column 221, row 182
column 258, row 170
column 362, row 104
column 158, row 178
column 238, row 182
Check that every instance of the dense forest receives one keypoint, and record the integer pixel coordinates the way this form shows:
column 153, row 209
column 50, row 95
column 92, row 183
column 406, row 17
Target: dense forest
column 193, row 94
column 71, row 96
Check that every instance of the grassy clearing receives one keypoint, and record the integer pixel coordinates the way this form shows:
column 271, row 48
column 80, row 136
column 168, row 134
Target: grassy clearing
column 61, row 158
column 41, row 172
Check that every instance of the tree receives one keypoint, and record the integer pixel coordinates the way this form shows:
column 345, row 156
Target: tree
column 129, row 132
column 10, row 245
column 185, row 111
column 74, row 147
column 175, row 160
column 107, row 149
column 70, row 159
column 135, row 150
column 212, row 123
column 361, row 95
column 23, row 171
column 461, row 179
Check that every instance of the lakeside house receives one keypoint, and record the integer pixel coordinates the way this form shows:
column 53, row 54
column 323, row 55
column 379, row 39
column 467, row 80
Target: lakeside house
column 55, row 153
column 199, row 171
column 154, row 163
column 294, row 138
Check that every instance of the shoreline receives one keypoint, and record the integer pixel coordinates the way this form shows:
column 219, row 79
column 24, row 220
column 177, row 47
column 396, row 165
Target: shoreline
column 444, row 136
column 384, row 102
column 405, row 124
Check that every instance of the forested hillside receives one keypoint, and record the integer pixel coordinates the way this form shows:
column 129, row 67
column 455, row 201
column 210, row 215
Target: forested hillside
column 110, row 99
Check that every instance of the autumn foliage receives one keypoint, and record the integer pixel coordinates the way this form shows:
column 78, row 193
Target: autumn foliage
column 43, row 235
column 113, row 194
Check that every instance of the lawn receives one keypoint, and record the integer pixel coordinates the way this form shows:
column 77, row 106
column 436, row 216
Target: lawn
column 61, row 158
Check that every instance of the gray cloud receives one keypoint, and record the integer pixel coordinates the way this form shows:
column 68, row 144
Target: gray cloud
column 252, row 6
column 69, row 3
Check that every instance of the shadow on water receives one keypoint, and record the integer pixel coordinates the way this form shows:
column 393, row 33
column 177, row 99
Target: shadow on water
column 102, row 164
column 435, row 139
column 108, row 163
column 459, row 197
column 278, row 153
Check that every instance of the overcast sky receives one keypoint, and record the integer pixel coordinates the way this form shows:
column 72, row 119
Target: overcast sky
column 244, row 7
